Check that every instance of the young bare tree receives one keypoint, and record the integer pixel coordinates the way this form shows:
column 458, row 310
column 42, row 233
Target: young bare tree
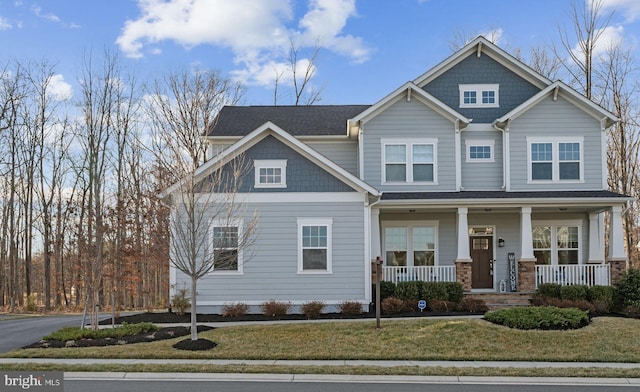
column 182, row 107
column 300, row 71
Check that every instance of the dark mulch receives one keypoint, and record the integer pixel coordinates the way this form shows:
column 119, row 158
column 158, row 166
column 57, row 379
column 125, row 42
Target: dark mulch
column 161, row 334
column 195, row 345
column 166, row 317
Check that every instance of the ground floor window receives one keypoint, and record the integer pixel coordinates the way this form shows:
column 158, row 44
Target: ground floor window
column 410, row 246
column 314, row 245
column 224, row 244
column 556, row 244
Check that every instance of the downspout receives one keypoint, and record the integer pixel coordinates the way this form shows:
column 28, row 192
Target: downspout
column 505, row 151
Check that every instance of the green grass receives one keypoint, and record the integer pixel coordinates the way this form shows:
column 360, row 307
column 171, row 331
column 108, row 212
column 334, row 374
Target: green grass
column 605, row 340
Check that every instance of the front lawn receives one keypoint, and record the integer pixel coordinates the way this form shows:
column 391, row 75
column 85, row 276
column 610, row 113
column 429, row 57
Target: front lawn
column 606, row 339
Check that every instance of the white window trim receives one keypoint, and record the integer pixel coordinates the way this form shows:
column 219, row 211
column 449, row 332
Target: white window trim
column 554, row 239
column 479, row 88
column 480, row 143
column 555, row 162
column 409, row 225
column 408, row 143
column 223, row 223
column 270, row 164
column 328, row 222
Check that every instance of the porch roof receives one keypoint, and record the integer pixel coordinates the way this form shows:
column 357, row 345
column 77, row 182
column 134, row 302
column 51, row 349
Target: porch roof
column 601, row 197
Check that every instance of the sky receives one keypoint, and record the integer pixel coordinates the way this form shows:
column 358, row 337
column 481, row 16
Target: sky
column 367, row 48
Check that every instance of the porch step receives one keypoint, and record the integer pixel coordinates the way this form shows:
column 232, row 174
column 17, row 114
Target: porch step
column 497, row 301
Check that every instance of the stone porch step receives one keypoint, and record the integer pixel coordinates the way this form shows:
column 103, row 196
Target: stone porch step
column 503, row 300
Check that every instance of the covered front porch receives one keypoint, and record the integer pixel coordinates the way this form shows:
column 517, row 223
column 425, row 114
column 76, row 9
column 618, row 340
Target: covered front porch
column 501, row 244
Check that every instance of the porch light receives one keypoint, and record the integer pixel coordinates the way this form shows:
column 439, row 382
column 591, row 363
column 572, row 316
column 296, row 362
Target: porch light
column 500, row 243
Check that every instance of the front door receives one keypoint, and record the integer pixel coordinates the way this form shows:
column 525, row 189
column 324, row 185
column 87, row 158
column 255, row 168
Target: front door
column 482, row 265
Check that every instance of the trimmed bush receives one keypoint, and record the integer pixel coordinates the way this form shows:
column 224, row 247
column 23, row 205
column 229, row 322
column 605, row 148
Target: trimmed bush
column 576, row 292
column 312, row 309
column 434, row 291
column 408, row 291
column 473, row 305
column 602, row 297
column 180, row 301
column 235, row 310
column 549, row 290
column 628, row 290
column 350, row 308
column 392, row 305
column 440, row 305
column 275, row 308
column 564, row 303
column 387, row 289
column 454, row 290
column 545, row 317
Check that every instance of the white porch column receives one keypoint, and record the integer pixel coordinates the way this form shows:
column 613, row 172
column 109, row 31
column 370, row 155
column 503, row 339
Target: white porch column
column 526, row 236
column 376, row 245
column 616, row 236
column 463, row 235
column 596, row 238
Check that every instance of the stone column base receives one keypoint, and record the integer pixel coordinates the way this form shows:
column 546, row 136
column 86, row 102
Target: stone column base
column 463, row 273
column 618, row 270
column 527, row 275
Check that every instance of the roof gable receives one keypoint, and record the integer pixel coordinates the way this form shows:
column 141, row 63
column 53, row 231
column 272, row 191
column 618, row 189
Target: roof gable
column 477, row 47
column 259, row 134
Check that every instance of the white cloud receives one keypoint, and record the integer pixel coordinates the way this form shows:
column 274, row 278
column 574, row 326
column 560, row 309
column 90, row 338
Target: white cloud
column 259, row 33
column 58, row 89
column 610, row 36
column 630, row 9
column 5, row 24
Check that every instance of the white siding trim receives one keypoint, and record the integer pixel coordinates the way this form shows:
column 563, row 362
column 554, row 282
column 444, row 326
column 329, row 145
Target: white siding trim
column 292, row 302
column 294, row 197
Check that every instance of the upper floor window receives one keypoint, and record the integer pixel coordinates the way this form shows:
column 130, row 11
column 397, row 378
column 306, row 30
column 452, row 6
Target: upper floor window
column 555, row 159
column 479, row 95
column 409, row 161
column 480, row 150
column 270, row 173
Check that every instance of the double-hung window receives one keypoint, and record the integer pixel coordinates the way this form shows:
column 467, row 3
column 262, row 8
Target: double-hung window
column 227, row 255
column 479, row 95
column 314, row 245
column 270, row 173
column 413, row 245
column 555, row 159
column 409, row 161
column 556, row 243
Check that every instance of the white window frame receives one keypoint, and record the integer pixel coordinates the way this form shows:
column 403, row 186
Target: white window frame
column 223, row 223
column 480, row 143
column 554, row 225
column 328, row 223
column 410, row 249
column 555, row 162
column 409, row 143
column 479, row 89
column 281, row 164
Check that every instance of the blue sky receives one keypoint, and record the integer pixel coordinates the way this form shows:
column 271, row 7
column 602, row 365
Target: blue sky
column 368, row 47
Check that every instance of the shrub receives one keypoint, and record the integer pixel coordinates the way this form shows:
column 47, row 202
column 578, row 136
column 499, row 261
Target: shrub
column 550, row 290
column 387, row 289
column 454, row 291
column 235, row 310
column 563, row 303
column 75, row 333
column 440, row 305
column 434, row 291
column 181, row 301
column 275, row 309
column 628, row 290
column 350, row 308
column 393, row 305
column 408, row 291
column 31, row 305
column 312, row 309
column 576, row 292
column 602, row 297
column 545, row 317
column 473, row 305
column 632, row 310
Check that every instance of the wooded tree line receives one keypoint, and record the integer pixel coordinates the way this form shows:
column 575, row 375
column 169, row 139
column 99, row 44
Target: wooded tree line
column 81, row 223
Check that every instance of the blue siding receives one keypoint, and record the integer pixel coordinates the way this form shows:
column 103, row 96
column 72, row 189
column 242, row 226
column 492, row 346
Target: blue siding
column 483, row 70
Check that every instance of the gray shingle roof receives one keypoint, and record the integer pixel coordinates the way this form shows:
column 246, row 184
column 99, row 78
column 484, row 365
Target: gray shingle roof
column 314, row 120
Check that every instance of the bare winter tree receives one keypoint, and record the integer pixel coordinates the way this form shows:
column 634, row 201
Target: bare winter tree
column 300, row 71
column 182, row 107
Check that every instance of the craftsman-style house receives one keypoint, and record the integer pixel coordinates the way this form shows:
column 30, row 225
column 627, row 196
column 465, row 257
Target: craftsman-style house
column 480, row 171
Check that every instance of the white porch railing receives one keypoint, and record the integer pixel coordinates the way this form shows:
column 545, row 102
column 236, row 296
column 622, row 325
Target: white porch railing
column 424, row 274
column 584, row 274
